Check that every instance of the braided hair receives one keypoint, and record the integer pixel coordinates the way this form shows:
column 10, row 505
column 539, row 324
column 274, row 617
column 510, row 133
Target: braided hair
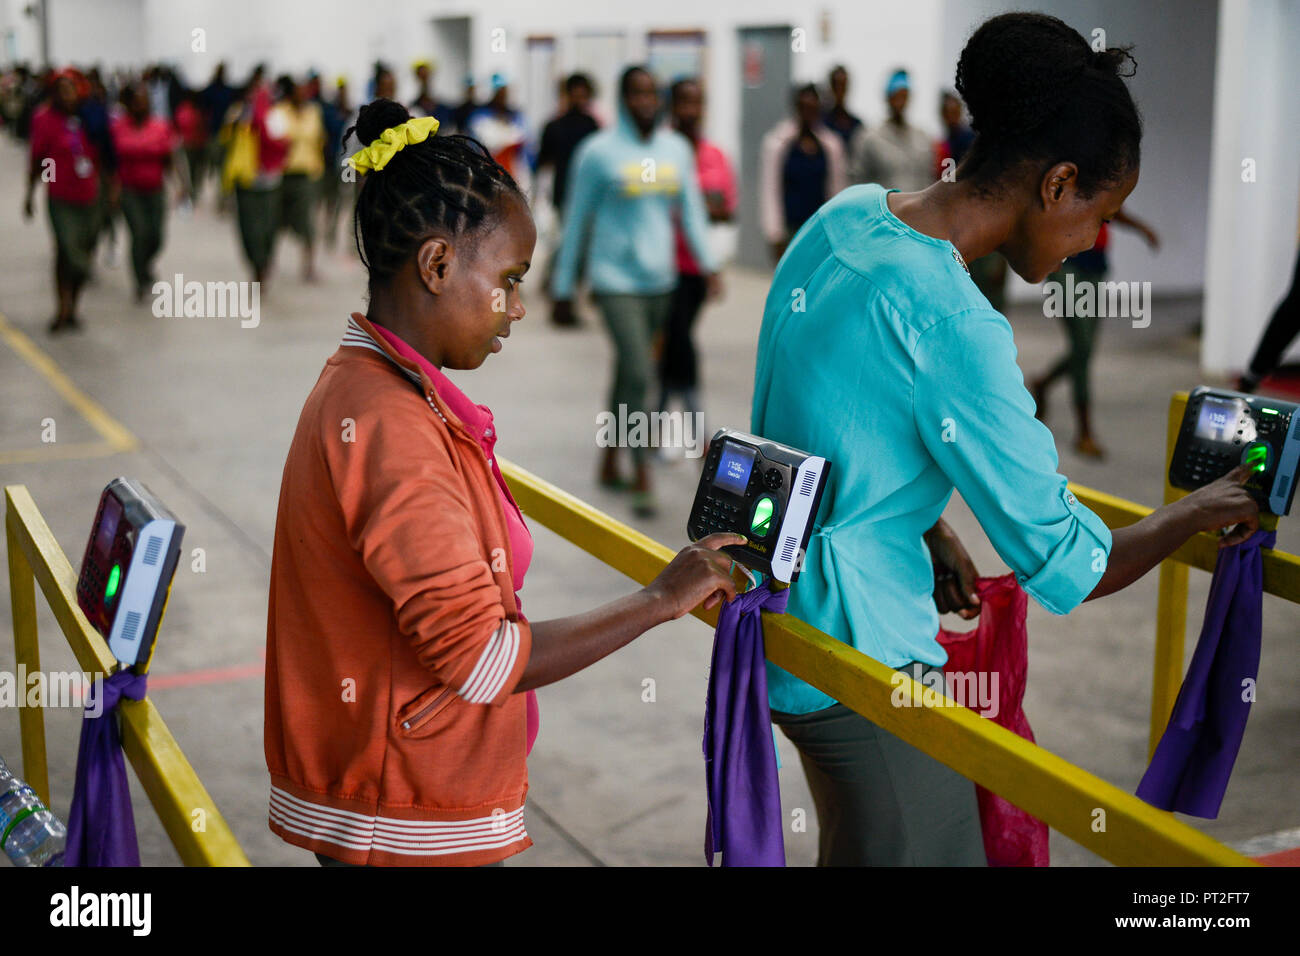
column 444, row 184
column 1039, row 94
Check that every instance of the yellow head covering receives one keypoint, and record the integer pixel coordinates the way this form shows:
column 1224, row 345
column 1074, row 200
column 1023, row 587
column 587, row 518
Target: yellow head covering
column 393, row 139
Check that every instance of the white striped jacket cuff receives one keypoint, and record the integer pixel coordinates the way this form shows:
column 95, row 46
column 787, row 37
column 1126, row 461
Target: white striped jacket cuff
column 494, row 666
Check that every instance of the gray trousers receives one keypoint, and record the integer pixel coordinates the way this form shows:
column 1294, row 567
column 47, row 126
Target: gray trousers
column 145, row 214
column 1082, row 332
column 633, row 322
column 880, row 801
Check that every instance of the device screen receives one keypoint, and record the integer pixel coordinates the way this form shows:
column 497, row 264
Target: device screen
column 734, row 467
column 107, row 528
column 1218, row 419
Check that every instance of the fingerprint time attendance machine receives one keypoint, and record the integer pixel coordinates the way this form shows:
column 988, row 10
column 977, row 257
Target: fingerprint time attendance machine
column 762, row 489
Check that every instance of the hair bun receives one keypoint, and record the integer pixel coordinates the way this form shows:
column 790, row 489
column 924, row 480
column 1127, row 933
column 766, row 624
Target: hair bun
column 1019, row 69
column 377, row 116
column 1039, row 94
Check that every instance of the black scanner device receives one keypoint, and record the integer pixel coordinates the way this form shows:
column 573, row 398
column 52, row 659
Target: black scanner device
column 766, row 491
column 1222, row 429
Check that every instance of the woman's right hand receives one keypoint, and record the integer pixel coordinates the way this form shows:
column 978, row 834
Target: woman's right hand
column 699, row 572
column 1225, row 501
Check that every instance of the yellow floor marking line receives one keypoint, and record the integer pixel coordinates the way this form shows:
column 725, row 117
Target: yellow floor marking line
column 59, row 452
column 116, row 436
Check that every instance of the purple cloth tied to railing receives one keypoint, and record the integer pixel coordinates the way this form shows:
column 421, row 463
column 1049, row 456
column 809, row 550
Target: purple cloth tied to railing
column 1190, row 770
column 745, row 823
column 101, row 826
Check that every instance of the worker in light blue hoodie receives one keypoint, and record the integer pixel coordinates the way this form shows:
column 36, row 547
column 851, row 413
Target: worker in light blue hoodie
column 628, row 185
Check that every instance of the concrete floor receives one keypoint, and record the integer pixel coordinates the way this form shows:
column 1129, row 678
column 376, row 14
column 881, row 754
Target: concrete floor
column 614, row 780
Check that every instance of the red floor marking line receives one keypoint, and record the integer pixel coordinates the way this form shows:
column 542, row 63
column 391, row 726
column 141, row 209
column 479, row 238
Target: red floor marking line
column 1281, row 858
column 211, row 675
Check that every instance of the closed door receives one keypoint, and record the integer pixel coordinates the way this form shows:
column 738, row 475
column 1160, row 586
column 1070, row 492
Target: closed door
column 764, row 101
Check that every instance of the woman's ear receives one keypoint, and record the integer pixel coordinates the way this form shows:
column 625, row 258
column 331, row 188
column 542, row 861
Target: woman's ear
column 1058, row 184
column 433, row 262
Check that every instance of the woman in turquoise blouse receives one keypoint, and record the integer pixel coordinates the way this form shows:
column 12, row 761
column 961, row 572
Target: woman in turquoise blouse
column 878, row 352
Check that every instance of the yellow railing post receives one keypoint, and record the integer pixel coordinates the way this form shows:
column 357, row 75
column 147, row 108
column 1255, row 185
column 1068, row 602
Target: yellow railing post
column 197, row 829
column 1171, row 630
column 1171, row 604
column 1281, row 578
column 27, row 659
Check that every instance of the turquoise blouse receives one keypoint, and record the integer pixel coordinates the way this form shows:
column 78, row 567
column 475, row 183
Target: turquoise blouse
column 879, row 353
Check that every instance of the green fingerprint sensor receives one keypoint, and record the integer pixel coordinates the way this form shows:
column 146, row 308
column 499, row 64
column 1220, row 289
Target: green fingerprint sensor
column 1258, row 457
column 761, row 524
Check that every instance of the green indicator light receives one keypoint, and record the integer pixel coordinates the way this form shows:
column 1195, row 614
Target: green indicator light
column 1270, row 411
column 114, row 579
column 762, row 522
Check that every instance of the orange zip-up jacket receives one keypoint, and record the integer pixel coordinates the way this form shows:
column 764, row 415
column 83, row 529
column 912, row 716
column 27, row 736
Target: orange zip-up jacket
column 394, row 642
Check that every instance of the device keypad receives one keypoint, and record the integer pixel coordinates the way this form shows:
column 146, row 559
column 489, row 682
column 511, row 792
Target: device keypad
column 1206, row 464
column 717, row 514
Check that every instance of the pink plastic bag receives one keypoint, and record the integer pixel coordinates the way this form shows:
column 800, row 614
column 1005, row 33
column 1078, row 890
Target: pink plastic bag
column 1000, row 646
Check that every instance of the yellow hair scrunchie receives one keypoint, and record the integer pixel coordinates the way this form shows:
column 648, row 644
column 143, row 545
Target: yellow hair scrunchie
column 391, row 141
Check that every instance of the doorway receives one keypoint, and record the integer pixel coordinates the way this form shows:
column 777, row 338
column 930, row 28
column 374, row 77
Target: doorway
column 764, row 101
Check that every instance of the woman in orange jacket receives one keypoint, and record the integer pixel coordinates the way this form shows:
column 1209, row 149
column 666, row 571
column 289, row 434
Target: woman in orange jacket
column 400, row 668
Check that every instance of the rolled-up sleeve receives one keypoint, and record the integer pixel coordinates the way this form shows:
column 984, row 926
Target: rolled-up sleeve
column 976, row 418
column 406, row 513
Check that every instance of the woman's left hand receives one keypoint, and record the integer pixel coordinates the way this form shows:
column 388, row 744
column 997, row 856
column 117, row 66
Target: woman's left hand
column 954, row 573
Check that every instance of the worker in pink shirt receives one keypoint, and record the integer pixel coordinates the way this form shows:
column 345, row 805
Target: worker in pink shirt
column 192, row 126
column 67, row 160
column 678, row 365
column 144, row 145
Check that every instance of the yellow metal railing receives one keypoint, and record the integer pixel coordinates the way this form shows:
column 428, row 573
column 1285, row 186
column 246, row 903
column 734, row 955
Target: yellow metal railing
column 1108, row 821
column 196, row 828
column 1281, row 578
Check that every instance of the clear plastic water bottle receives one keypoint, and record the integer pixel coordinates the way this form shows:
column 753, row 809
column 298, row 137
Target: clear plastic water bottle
column 32, row 835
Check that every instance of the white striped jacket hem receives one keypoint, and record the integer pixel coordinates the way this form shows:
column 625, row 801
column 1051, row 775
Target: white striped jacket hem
column 357, row 831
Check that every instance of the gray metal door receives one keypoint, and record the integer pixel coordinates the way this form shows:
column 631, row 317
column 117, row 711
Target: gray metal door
column 764, row 101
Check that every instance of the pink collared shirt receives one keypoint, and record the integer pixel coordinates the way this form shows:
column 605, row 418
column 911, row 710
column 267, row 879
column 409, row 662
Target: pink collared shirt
column 142, row 151
column 715, row 175
column 478, row 421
